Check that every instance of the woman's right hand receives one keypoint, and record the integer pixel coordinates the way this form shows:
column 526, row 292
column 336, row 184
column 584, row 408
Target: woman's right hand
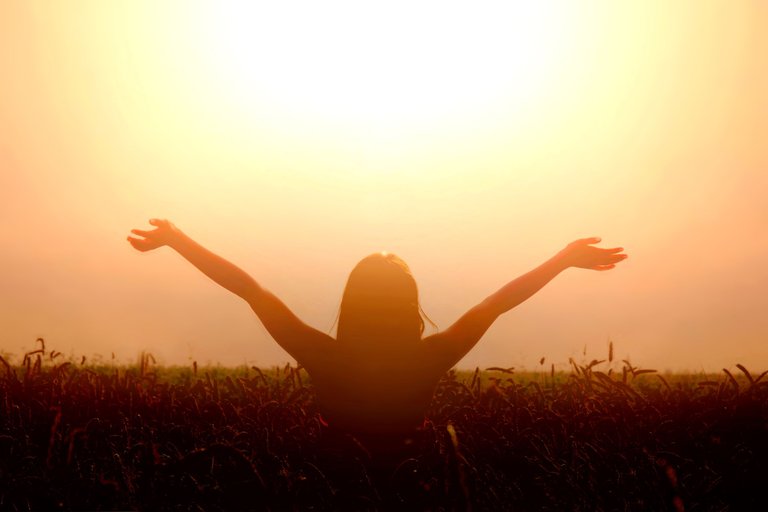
column 583, row 254
column 163, row 234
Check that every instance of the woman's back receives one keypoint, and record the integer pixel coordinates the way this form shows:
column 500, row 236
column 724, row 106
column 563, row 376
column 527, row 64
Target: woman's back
column 374, row 391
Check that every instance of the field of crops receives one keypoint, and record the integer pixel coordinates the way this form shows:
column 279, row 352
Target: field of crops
column 604, row 436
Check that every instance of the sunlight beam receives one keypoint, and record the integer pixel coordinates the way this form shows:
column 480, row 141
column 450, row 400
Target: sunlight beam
column 373, row 64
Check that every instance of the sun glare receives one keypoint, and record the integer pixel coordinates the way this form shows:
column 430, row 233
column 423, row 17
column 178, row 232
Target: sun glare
column 380, row 64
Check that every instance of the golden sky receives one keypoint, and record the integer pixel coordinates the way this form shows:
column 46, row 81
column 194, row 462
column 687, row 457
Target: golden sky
column 472, row 139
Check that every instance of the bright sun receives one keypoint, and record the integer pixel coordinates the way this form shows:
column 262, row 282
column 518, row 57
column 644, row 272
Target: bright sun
column 386, row 64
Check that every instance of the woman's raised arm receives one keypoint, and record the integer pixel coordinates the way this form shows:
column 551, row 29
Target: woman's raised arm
column 449, row 346
column 303, row 342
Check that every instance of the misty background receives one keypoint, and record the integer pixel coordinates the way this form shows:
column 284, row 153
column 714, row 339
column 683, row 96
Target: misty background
column 651, row 131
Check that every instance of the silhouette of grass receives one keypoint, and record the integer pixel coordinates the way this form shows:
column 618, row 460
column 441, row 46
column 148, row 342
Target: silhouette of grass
column 79, row 436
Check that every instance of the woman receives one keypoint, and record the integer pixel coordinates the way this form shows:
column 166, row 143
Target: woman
column 376, row 378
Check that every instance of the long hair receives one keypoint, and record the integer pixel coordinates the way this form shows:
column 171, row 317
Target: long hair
column 380, row 303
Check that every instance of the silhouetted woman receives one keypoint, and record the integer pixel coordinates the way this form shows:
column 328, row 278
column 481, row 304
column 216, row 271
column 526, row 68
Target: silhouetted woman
column 378, row 375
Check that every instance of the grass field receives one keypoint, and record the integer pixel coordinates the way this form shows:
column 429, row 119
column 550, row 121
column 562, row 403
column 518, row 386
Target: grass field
column 604, row 436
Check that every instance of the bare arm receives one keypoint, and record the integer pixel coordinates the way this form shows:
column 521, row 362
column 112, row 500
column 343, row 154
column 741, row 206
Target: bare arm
column 298, row 339
column 449, row 346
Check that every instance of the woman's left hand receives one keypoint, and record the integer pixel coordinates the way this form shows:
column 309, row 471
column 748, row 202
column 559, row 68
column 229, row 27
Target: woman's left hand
column 163, row 234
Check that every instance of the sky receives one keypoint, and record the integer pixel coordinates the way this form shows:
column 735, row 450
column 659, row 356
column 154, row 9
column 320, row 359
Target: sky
column 473, row 139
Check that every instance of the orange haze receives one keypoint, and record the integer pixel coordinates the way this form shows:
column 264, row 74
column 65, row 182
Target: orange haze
column 472, row 141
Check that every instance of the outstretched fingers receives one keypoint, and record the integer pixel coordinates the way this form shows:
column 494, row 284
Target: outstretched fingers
column 142, row 232
column 582, row 253
column 616, row 258
column 148, row 239
column 589, row 240
column 608, row 261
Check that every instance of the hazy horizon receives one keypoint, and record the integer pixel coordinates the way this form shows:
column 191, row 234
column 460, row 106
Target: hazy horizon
column 474, row 156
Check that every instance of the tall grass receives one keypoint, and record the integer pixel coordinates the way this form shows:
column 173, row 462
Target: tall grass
column 79, row 436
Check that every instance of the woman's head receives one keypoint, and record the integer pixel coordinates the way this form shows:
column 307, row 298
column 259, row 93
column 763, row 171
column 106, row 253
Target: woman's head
column 380, row 302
